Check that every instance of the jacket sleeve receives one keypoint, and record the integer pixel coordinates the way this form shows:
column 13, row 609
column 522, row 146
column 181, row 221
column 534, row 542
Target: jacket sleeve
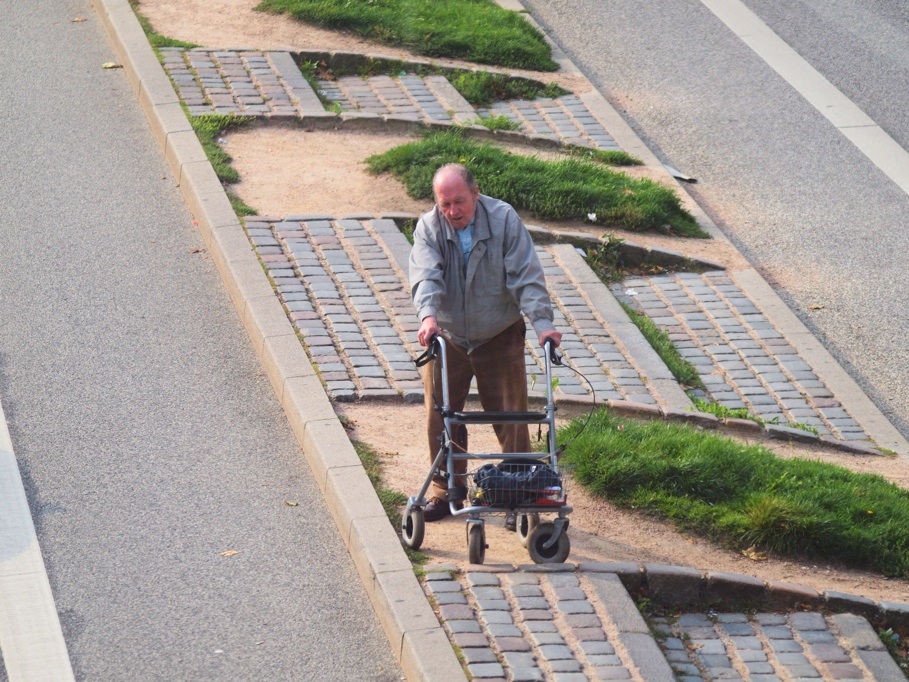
column 524, row 275
column 427, row 283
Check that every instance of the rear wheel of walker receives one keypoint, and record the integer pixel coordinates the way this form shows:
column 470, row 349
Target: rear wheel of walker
column 413, row 528
column 476, row 543
column 526, row 524
column 555, row 554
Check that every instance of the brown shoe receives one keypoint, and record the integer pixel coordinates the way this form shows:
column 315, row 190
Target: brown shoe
column 438, row 509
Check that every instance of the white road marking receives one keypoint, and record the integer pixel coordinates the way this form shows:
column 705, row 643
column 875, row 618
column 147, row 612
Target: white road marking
column 849, row 119
column 30, row 634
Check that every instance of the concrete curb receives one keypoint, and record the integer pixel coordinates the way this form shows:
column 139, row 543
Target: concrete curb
column 404, row 613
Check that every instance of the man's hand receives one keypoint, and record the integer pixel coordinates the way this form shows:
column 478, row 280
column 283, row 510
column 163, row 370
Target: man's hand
column 428, row 329
column 553, row 335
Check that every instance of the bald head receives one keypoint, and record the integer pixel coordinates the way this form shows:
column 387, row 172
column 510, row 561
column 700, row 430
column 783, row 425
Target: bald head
column 456, row 194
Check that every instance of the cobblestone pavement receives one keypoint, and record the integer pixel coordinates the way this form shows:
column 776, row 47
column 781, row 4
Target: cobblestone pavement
column 343, row 284
column 570, row 624
column 260, row 83
column 247, row 82
column 768, row 647
column 742, row 359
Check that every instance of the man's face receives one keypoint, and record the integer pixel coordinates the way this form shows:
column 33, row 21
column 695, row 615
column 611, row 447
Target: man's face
column 455, row 199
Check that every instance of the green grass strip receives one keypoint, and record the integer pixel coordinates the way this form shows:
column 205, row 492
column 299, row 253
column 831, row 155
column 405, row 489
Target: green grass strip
column 570, row 189
column 683, row 371
column 481, row 88
column 743, row 495
column 474, row 30
column 208, row 130
column 391, row 500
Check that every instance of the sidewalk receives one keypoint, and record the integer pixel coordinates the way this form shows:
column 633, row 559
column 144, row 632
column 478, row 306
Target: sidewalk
column 338, row 282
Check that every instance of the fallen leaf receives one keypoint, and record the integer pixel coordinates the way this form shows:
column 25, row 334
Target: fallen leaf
column 754, row 554
column 291, row 504
column 816, row 306
column 79, row 20
column 196, row 250
column 111, row 65
column 230, row 552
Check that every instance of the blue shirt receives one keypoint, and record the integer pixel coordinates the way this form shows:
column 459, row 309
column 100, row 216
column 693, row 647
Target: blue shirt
column 465, row 236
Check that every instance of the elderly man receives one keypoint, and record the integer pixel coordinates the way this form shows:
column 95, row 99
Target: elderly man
column 473, row 271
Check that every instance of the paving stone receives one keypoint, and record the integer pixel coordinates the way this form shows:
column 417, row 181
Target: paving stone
column 555, row 651
column 612, row 673
column 543, row 638
column 565, row 665
column 479, row 655
column 785, row 646
column 582, row 620
column 777, row 632
column 808, row 621
column 459, row 626
column 486, row 670
column 845, row 671
column 512, row 644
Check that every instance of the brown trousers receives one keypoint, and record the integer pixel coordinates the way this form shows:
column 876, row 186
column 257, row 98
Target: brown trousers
column 498, row 366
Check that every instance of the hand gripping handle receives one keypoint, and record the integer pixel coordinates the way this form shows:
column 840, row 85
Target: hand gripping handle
column 431, row 352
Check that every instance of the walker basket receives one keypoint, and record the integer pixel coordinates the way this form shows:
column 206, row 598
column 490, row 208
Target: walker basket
column 511, row 484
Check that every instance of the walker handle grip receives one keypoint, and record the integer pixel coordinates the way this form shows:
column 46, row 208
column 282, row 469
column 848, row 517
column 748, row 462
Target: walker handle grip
column 431, row 352
column 554, row 356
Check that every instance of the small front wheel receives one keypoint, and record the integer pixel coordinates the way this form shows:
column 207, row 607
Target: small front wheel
column 526, row 524
column 413, row 528
column 554, row 554
column 476, row 543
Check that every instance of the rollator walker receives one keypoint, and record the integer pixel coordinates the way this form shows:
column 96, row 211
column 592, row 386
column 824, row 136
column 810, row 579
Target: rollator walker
column 526, row 483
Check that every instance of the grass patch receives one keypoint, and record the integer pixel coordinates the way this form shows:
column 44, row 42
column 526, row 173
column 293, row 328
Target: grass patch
column 482, row 88
column 407, row 227
column 743, row 495
column 608, row 157
column 391, row 500
column 683, row 371
column 155, row 39
column 570, row 189
column 479, row 88
column 208, row 130
column 474, row 30
column 500, row 122
column 605, row 259
column 897, row 646
column 241, row 208
column 724, row 412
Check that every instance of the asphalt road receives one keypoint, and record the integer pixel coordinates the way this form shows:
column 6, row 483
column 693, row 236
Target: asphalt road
column 824, row 225
column 148, row 438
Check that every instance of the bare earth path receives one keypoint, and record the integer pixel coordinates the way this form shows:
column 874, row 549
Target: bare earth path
column 290, row 170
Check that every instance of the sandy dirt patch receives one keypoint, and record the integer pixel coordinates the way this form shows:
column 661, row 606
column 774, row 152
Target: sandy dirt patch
column 284, row 171
column 600, row 531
